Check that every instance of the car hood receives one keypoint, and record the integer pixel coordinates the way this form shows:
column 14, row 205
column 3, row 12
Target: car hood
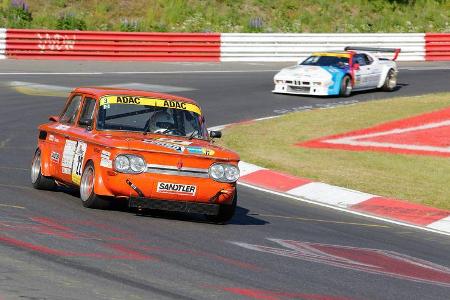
column 173, row 145
column 311, row 72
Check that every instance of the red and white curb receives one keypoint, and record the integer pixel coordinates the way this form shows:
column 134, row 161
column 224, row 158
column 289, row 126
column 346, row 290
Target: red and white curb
column 359, row 203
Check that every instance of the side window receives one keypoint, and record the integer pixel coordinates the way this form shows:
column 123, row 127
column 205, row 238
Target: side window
column 71, row 111
column 359, row 59
column 368, row 59
column 87, row 112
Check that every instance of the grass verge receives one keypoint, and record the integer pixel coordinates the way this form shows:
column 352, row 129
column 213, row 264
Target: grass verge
column 417, row 178
column 229, row 15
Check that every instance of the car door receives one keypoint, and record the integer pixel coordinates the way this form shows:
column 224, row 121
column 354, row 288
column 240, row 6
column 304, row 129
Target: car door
column 64, row 145
column 362, row 73
column 81, row 133
column 374, row 70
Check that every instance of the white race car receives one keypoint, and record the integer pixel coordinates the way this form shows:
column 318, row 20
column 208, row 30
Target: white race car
column 339, row 73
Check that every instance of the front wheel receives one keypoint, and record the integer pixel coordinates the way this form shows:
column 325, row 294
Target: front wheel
column 390, row 83
column 346, row 86
column 38, row 180
column 87, row 193
column 226, row 212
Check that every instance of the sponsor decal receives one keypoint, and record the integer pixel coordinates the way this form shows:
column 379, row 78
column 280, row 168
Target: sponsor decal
column 108, row 100
column 67, row 158
column 178, row 148
column 175, row 141
column 175, row 188
column 77, row 166
column 55, row 157
column 105, row 159
column 200, row 150
column 128, row 100
column 62, row 127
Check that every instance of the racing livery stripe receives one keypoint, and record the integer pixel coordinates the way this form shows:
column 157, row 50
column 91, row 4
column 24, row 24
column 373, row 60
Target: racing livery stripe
column 136, row 100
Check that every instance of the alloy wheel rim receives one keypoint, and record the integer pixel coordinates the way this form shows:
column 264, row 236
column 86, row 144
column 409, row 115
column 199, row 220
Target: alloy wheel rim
column 87, row 184
column 392, row 81
column 36, row 167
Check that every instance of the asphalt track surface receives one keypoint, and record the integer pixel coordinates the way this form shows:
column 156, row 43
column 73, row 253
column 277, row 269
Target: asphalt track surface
column 53, row 248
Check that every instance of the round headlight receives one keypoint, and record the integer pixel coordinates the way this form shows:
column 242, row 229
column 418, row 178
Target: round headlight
column 231, row 173
column 216, row 171
column 122, row 163
column 137, row 164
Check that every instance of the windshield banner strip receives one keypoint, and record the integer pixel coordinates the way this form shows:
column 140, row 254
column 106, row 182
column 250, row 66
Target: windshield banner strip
column 331, row 54
column 106, row 100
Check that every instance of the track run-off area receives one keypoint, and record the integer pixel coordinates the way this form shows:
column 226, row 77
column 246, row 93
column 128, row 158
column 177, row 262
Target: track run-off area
column 51, row 247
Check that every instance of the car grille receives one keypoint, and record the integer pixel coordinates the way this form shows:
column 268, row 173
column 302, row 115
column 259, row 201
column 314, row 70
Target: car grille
column 172, row 170
column 303, row 89
column 188, row 207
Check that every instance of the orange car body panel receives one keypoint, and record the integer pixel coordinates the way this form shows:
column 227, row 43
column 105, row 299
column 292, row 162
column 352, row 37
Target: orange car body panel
column 63, row 145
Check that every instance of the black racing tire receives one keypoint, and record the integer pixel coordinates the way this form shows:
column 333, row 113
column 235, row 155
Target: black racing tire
column 226, row 212
column 390, row 83
column 38, row 180
column 87, row 193
column 346, row 86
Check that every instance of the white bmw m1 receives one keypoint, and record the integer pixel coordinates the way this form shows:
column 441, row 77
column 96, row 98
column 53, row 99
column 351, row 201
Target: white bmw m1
column 340, row 73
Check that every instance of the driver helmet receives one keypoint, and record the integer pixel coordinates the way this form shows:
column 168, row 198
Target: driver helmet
column 161, row 121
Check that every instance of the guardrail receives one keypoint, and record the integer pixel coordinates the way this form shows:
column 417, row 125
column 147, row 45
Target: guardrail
column 437, row 46
column 154, row 46
column 292, row 47
column 94, row 45
column 2, row 43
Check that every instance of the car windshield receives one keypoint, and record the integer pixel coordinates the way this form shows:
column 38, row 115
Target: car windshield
column 131, row 113
column 324, row 61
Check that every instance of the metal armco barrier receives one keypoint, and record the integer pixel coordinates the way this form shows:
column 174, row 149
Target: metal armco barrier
column 437, row 46
column 154, row 46
column 95, row 45
column 2, row 43
column 292, row 47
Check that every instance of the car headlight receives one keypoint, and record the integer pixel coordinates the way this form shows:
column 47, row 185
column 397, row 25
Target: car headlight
column 129, row 163
column 317, row 83
column 224, row 172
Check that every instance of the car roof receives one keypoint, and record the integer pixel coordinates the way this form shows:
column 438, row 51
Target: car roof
column 104, row 91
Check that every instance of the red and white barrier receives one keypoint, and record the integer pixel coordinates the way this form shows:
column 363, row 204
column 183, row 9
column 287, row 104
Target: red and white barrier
column 437, row 46
column 98, row 45
column 293, row 46
column 95, row 45
column 2, row 43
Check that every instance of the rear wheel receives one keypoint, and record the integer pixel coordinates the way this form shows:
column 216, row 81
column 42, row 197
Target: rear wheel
column 226, row 212
column 38, row 180
column 87, row 193
column 346, row 86
column 390, row 83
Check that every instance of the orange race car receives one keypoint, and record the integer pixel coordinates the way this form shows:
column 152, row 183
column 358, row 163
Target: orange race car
column 152, row 149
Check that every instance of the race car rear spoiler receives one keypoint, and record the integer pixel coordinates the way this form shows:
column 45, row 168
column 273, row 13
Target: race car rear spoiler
column 396, row 51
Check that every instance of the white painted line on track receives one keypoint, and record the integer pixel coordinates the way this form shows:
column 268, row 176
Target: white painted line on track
column 136, row 72
column 345, row 210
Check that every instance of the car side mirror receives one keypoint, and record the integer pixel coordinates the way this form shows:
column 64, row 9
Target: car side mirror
column 356, row 66
column 215, row 134
column 53, row 119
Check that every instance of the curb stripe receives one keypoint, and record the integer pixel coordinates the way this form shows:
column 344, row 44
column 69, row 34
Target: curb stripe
column 274, row 180
column 330, row 194
column 442, row 225
column 402, row 210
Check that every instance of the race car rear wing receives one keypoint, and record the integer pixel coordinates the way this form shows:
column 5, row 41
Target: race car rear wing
column 396, row 51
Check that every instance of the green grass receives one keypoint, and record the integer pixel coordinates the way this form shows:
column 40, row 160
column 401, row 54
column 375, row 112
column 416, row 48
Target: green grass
column 232, row 15
column 417, row 178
